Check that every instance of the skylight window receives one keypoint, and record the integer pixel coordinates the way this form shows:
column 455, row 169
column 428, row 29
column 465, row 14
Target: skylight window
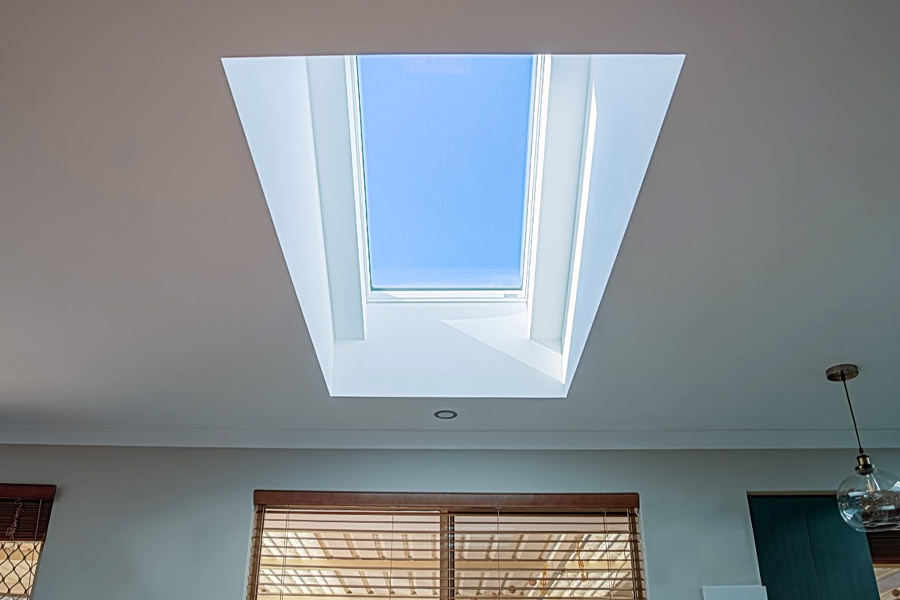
column 446, row 161
column 539, row 166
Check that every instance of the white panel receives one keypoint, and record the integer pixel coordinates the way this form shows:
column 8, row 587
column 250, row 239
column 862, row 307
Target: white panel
column 331, row 127
column 734, row 592
column 632, row 96
column 432, row 349
column 272, row 100
column 559, row 198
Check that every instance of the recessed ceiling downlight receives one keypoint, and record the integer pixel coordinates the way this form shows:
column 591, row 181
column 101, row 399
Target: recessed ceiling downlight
column 446, row 414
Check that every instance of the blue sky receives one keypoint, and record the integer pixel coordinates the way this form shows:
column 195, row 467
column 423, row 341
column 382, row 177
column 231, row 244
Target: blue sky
column 445, row 144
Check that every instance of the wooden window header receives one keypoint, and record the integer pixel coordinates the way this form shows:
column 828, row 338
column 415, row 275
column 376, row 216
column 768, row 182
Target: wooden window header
column 18, row 491
column 582, row 502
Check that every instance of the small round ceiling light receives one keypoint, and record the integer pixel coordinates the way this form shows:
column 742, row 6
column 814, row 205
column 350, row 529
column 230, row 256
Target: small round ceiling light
column 446, row 414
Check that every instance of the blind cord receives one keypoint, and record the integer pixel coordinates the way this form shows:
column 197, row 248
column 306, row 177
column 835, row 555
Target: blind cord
column 390, row 580
column 11, row 530
column 499, row 577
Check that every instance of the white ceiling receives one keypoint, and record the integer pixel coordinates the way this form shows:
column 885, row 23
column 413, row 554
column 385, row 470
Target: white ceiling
column 144, row 298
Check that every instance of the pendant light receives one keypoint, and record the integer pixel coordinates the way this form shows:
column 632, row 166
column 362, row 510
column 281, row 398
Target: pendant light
column 869, row 499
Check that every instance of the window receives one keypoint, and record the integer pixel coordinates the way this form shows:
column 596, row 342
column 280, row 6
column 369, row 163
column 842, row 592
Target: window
column 447, row 159
column 310, row 545
column 24, row 516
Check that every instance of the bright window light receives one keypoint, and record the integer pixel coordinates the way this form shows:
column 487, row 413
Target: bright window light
column 446, row 147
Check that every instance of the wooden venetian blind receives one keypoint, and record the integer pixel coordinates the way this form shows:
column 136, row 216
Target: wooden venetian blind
column 24, row 517
column 885, row 548
column 309, row 546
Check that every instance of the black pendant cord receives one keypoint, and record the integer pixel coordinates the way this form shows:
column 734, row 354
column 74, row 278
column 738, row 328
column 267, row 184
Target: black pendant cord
column 852, row 415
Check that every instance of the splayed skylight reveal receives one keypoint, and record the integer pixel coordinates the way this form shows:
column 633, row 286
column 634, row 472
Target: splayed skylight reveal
column 444, row 180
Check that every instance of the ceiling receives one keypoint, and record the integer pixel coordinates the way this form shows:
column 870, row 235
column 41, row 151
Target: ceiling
column 145, row 300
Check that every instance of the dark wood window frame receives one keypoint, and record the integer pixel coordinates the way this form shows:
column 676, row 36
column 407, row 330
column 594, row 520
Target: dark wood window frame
column 455, row 504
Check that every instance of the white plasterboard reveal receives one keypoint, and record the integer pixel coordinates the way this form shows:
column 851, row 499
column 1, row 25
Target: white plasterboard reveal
column 734, row 592
column 442, row 349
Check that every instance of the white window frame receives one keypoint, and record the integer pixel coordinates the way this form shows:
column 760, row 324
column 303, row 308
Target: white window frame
column 540, row 86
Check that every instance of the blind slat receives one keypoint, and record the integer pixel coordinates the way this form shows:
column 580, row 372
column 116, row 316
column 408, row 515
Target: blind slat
column 32, row 522
column 884, row 547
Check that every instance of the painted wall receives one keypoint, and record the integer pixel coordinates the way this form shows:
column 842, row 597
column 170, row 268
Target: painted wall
column 142, row 523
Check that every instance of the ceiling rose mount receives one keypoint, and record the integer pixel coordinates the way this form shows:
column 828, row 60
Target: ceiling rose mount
column 836, row 372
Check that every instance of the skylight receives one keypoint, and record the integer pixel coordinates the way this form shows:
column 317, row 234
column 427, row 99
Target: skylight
column 558, row 185
column 446, row 147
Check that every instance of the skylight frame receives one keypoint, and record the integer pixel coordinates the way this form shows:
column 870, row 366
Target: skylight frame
column 540, row 81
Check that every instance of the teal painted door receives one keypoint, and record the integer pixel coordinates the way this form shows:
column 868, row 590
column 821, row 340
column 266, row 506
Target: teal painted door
column 807, row 552
column 783, row 547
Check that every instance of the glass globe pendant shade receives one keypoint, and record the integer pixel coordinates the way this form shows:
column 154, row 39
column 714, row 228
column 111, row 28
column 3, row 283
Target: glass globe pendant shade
column 869, row 499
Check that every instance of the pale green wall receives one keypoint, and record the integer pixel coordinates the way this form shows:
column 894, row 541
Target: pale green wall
column 147, row 524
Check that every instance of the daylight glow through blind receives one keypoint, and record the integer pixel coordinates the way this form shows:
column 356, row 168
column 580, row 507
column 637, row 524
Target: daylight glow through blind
column 445, row 152
column 445, row 547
